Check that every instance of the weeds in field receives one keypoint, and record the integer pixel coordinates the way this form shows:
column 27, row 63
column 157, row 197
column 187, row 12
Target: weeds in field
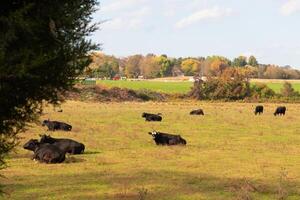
column 142, row 193
column 244, row 189
column 282, row 192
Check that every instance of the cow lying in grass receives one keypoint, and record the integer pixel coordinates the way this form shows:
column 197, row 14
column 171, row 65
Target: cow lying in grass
column 152, row 117
column 65, row 145
column 55, row 125
column 197, row 112
column 167, row 139
column 45, row 153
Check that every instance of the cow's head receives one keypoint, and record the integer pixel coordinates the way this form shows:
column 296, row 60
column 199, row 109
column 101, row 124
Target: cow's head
column 45, row 122
column 31, row 144
column 144, row 115
column 183, row 141
column 153, row 133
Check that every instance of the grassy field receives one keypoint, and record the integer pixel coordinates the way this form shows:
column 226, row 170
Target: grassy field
column 231, row 154
column 174, row 87
column 159, row 86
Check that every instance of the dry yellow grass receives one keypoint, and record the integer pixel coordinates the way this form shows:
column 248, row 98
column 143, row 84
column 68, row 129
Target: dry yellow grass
column 231, row 154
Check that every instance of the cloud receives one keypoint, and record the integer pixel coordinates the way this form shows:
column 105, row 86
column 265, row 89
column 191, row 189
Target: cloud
column 120, row 5
column 290, row 7
column 129, row 20
column 173, row 7
column 204, row 14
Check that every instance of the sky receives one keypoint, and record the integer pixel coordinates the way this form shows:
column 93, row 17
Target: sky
column 267, row 29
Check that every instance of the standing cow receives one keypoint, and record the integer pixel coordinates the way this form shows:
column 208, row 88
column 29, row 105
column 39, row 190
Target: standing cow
column 280, row 111
column 259, row 110
column 46, row 153
column 167, row 139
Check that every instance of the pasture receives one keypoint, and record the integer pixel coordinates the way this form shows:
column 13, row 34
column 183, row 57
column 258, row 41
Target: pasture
column 181, row 87
column 230, row 154
column 158, row 86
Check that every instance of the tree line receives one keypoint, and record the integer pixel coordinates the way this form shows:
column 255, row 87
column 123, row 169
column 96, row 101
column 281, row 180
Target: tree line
column 155, row 66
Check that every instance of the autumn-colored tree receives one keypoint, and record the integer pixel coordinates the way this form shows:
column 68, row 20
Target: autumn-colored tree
column 102, row 66
column 190, row 66
column 274, row 72
column 150, row 67
column 248, row 71
column 217, row 67
column 230, row 84
column 214, row 65
column 132, row 67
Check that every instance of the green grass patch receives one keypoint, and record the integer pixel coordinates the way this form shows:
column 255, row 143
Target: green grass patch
column 277, row 86
column 172, row 87
column 158, row 86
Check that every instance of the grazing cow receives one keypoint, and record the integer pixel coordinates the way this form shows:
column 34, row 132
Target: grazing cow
column 167, row 139
column 55, row 125
column 280, row 110
column 46, row 153
column 152, row 117
column 60, row 110
column 259, row 110
column 197, row 112
column 66, row 145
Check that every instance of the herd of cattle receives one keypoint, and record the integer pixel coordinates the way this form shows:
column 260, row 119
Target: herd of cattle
column 53, row 150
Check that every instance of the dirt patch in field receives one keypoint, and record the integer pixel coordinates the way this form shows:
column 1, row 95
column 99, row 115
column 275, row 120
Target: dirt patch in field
column 115, row 94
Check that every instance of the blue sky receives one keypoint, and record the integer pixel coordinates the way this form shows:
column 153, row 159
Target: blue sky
column 268, row 29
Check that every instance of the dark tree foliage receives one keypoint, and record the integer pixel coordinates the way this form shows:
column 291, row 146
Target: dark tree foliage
column 43, row 48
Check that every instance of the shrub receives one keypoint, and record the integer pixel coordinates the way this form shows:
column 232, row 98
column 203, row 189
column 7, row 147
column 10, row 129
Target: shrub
column 230, row 85
column 288, row 90
column 261, row 90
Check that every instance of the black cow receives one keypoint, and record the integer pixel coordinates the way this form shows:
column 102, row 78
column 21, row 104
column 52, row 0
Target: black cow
column 280, row 110
column 66, row 145
column 55, row 125
column 259, row 110
column 152, row 117
column 197, row 112
column 46, row 153
column 167, row 139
